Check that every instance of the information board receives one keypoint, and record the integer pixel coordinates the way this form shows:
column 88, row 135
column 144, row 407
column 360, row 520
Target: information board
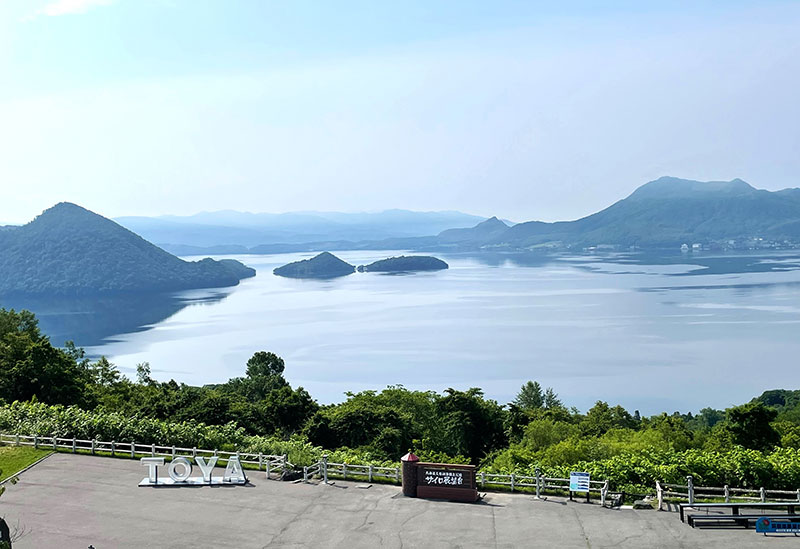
column 578, row 482
column 766, row 525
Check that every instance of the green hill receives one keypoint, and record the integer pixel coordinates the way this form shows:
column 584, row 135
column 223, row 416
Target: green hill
column 667, row 212
column 68, row 250
column 324, row 265
column 404, row 264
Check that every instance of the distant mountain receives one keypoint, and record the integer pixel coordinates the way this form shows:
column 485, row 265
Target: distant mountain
column 68, row 250
column 231, row 228
column 485, row 230
column 404, row 264
column 668, row 212
column 324, row 265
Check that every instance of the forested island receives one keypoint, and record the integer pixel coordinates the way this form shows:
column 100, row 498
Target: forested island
column 324, row 265
column 50, row 391
column 70, row 251
column 327, row 265
column 404, row 264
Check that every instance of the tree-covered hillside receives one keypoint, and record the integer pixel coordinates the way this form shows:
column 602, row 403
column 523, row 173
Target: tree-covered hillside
column 68, row 250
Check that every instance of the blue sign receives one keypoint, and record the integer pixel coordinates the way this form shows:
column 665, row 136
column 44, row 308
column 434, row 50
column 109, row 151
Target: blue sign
column 768, row 525
column 578, row 482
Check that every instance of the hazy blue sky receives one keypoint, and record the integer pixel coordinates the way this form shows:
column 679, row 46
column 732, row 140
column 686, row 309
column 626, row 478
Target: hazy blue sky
column 522, row 109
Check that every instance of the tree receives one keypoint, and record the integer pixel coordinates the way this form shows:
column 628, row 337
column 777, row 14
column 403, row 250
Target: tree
column 30, row 366
column 265, row 364
column 143, row 374
column 530, row 396
column 551, row 400
column 750, row 425
column 471, row 425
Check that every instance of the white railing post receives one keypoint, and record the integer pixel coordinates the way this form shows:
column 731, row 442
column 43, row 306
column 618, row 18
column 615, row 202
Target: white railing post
column 763, row 494
column 113, row 449
column 798, row 494
column 94, row 445
column 512, row 482
column 55, row 444
column 268, row 467
column 538, row 473
column 483, row 479
column 397, row 474
column 690, row 489
column 727, row 492
column 133, row 449
column 603, row 493
column 74, row 445
column 370, row 473
column 260, row 461
column 153, row 450
column 35, row 441
column 194, row 452
column 660, row 495
column 173, row 452
column 324, row 465
column 305, row 474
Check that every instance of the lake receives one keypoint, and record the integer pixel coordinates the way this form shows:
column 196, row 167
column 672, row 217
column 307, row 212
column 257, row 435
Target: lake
column 676, row 332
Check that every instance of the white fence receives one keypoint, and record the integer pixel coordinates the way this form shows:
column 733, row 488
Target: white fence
column 272, row 464
column 325, row 469
column 690, row 493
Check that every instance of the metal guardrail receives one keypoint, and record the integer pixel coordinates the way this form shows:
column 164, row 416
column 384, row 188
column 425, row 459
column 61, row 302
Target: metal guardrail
column 691, row 493
column 272, row 463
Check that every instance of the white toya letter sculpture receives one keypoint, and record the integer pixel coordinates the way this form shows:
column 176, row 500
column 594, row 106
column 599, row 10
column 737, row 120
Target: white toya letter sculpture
column 180, row 472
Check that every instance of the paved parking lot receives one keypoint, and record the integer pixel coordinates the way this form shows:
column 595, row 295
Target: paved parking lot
column 71, row 501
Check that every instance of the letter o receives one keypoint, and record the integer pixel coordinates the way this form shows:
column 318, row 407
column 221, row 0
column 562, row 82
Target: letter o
column 187, row 469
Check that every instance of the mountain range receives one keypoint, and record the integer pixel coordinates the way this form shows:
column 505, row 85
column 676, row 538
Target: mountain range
column 70, row 251
column 665, row 213
column 241, row 230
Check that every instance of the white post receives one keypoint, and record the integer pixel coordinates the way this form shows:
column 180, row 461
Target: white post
column 35, row 441
column 483, row 479
column 763, row 494
column 727, row 494
column 194, row 452
column 133, row 449
column 397, row 474
column 260, row 461
column 603, row 493
column 325, row 468
column 55, row 444
column 113, row 454
column 660, row 493
column 153, row 450
column 268, row 467
column 798, row 494
column 17, row 439
column 94, row 445
column 344, row 471
column 305, row 474
column 512, row 482
column 173, row 452
column 690, row 489
column 74, row 449
column 370, row 473
column 538, row 473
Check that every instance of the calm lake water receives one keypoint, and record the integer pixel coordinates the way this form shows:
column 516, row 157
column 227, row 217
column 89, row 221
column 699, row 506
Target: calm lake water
column 651, row 333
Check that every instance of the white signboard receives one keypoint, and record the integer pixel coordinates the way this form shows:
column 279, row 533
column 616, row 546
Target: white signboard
column 578, row 482
column 179, row 472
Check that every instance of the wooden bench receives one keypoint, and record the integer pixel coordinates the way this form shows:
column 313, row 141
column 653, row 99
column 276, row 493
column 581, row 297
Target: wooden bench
column 737, row 520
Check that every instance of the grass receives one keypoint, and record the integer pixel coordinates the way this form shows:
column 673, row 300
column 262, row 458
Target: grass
column 14, row 459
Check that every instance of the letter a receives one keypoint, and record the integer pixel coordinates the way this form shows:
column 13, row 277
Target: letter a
column 234, row 472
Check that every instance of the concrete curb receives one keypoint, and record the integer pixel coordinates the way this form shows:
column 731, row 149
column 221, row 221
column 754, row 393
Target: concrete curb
column 37, row 462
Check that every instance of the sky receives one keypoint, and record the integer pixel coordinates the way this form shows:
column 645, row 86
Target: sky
column 521, row 109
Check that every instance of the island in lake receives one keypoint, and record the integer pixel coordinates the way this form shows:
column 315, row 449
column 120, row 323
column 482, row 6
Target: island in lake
column 327, row 265
column 324, row 265
column 404, row 264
